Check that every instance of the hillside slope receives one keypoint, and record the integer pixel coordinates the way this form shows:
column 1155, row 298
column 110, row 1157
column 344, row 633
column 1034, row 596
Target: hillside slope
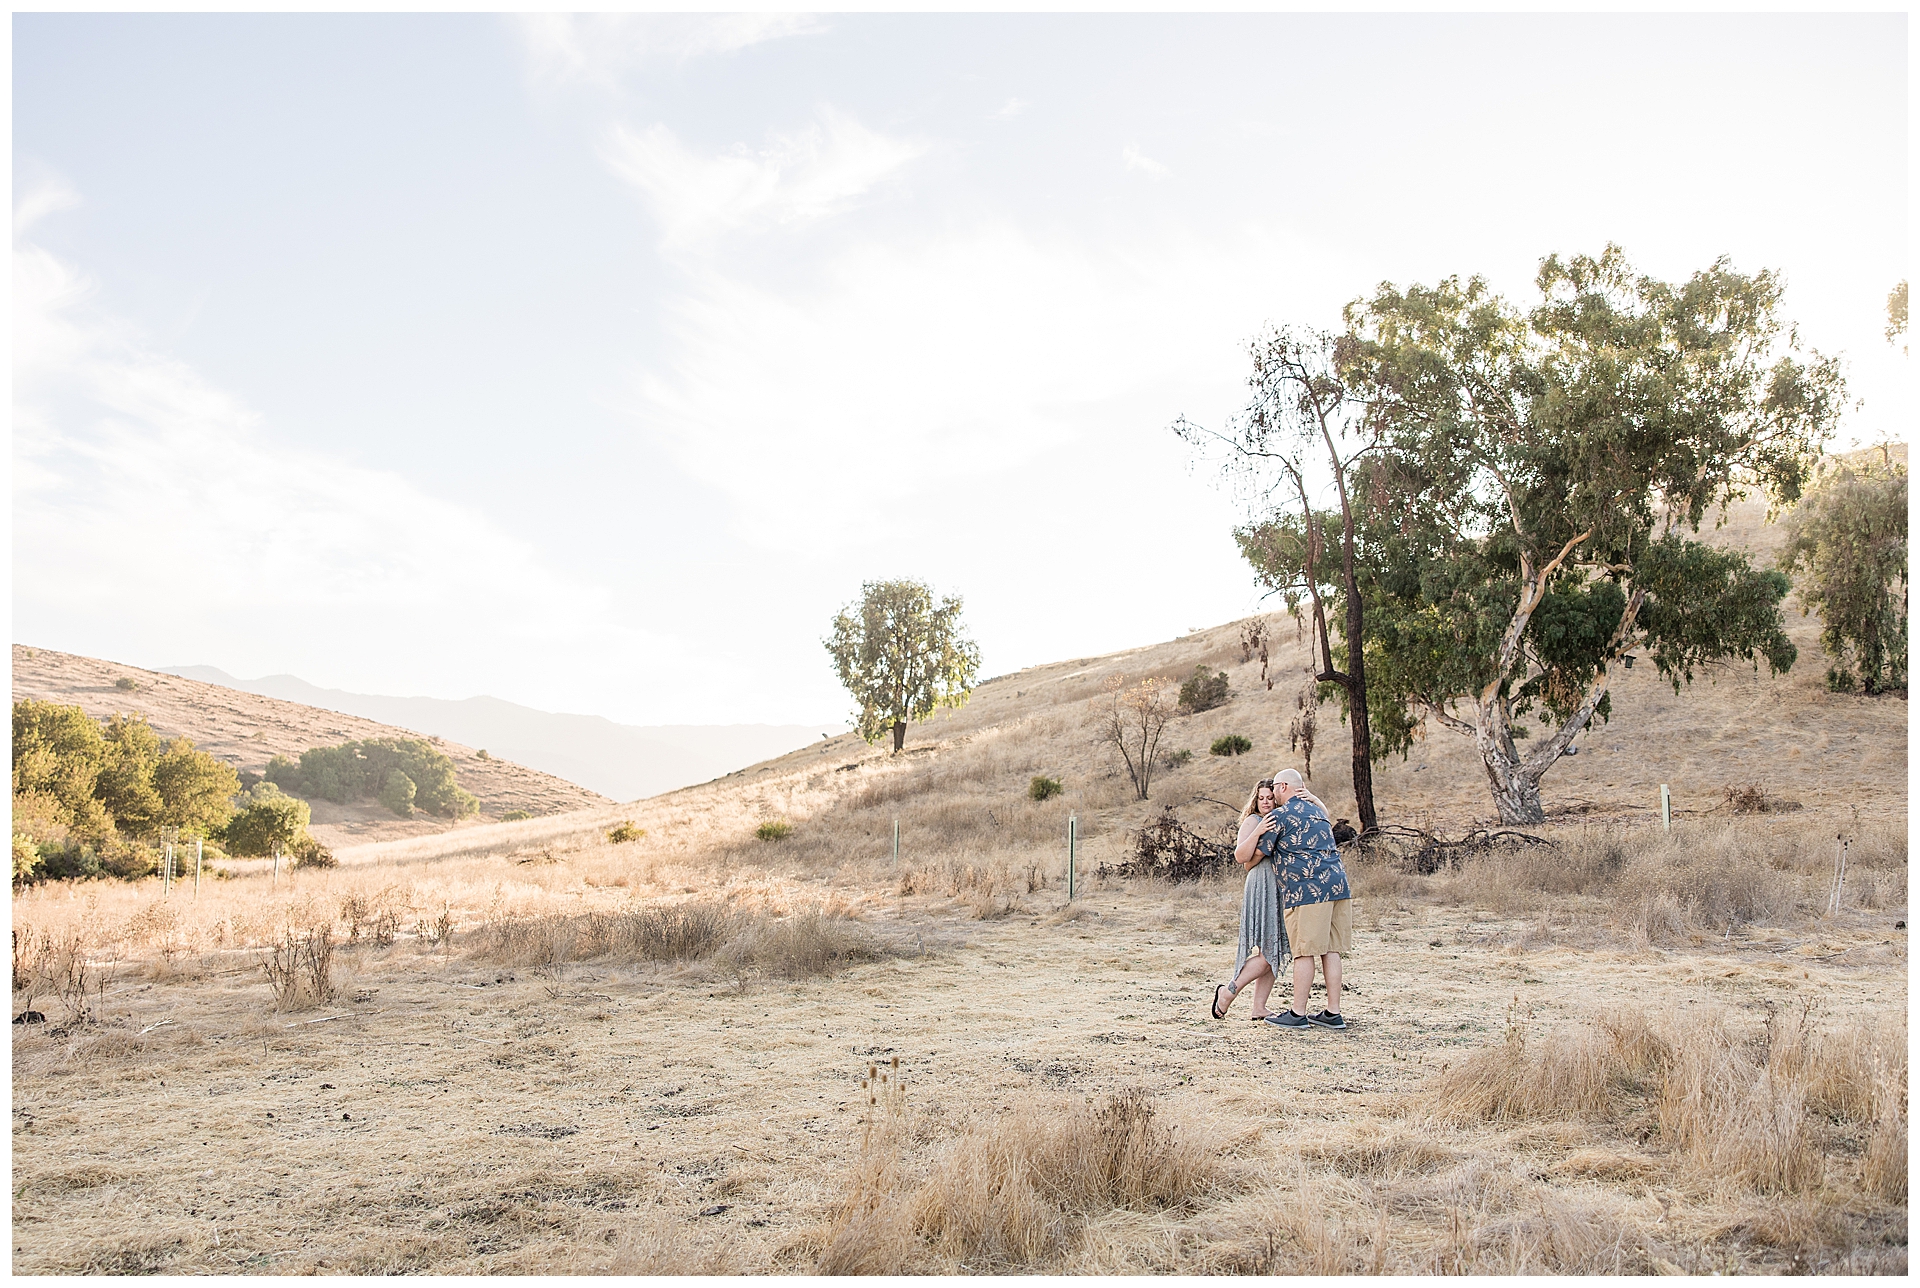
column 961, row 784
column 246, row 730
column 623, row 762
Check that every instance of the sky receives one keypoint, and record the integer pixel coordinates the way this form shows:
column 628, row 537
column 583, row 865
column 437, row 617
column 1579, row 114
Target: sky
column 595, row 363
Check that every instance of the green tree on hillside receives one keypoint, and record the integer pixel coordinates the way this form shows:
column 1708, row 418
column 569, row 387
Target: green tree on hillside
column 1847, row 543
column 268, row 824
column 901, row 655
column 362, row 770
column 57, row 755
column 90, row 800
column 1527, row 520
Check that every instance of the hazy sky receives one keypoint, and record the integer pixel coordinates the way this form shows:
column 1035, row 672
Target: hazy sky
column 594, row 364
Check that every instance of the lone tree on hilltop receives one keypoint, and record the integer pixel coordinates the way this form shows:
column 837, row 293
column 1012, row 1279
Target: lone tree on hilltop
column 1525, row 526
column 1302, row 407
column 1848, row 541
column 901, row 654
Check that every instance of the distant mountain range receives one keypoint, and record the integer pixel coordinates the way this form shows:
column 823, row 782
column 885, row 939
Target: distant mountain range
column 625, row 762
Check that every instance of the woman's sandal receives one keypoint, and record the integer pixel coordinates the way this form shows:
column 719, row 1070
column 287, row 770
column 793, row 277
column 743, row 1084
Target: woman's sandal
column 1219, row 1014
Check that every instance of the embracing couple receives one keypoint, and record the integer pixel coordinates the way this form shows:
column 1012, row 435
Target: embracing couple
column 1297, row 906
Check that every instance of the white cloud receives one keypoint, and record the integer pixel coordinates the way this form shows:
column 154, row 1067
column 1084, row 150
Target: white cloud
column 1013, row 108
column 1135, row 159
column 793, row 178
column 153, row 513
column 598, row 48
column 936, row 362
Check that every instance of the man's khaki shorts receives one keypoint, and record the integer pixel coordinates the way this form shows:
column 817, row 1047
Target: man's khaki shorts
column 1314, row 929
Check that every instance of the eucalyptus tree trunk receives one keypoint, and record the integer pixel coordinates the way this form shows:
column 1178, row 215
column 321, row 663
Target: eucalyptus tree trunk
column 899, row 735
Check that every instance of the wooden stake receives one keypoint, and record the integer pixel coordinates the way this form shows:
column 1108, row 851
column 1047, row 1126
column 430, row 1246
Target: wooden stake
column 199, row 857
column 1073, row 828
column 1666, row 808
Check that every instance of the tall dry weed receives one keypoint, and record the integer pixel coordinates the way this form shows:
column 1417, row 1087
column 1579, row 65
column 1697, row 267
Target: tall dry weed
column 1737, row 1111
column 1015, row 1193
column 300, row 968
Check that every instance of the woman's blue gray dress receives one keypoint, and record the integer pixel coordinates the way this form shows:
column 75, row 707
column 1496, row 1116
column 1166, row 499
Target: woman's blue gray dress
column 1261, row 929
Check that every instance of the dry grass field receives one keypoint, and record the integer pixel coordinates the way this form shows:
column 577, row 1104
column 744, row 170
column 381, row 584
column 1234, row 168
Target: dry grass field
column 522, row 1047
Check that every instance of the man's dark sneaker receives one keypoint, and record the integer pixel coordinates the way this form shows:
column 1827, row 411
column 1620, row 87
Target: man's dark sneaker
column 1327, row 1020
column 1288, row 1019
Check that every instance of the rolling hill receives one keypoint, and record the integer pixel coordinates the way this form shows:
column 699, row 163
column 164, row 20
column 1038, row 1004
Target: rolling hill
column 623, row 762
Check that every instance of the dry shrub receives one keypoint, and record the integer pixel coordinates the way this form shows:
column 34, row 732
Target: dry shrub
column 1741, row 1119
column 1736, row 1111
column 1369, row 1153
column 1564, row 1074
column 300, row 968
column 61, row 966
column 1561, row 1235
column 804, row 945
column 1015, row 1192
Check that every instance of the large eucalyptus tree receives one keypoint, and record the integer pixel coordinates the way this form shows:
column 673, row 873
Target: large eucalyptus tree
column 1528, row 524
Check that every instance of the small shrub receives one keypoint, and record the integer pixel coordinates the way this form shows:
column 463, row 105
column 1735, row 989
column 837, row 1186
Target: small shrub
column 1044, row 788
column 482, row 754
column 1175, row 759
column 775, row 830
column 625, row 832
column 1752, row 798
column 515, row 815
column 309, row 853
column 126, row 683
column 1203, row 690
column 1231, row 745
column 300, row 968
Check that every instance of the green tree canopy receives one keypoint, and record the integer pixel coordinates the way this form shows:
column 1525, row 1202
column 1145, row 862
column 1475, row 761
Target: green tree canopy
column 901, row 654
column 1526, row 523
column 360, row 771
column 97, row 783
column 268, row 823
column 1847, row 542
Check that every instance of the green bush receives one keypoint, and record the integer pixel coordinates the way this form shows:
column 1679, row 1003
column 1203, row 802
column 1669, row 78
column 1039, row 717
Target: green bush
column 1231, row 745
column 126, row 683
column 515, row 815
column 1044, row 788
column 773, row 831
column 625, row 832
column 269, row 822
column 309, row 853
column 1204, row 690
column 397, row 792
column 358, row 770
column 1175, row 759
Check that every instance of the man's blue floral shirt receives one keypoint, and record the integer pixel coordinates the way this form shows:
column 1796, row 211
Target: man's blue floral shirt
column 1304, row 852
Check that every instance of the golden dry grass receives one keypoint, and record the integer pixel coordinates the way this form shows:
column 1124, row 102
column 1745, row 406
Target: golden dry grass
column 549, row 1053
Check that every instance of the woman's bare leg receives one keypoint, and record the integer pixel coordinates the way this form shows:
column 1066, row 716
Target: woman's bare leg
column 1262, row 987
column 1255, row 968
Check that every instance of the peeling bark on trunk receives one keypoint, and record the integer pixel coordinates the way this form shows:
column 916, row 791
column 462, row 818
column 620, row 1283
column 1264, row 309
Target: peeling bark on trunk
column 1514, row 780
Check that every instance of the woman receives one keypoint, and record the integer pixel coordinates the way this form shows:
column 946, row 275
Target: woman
column 1263, row 939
